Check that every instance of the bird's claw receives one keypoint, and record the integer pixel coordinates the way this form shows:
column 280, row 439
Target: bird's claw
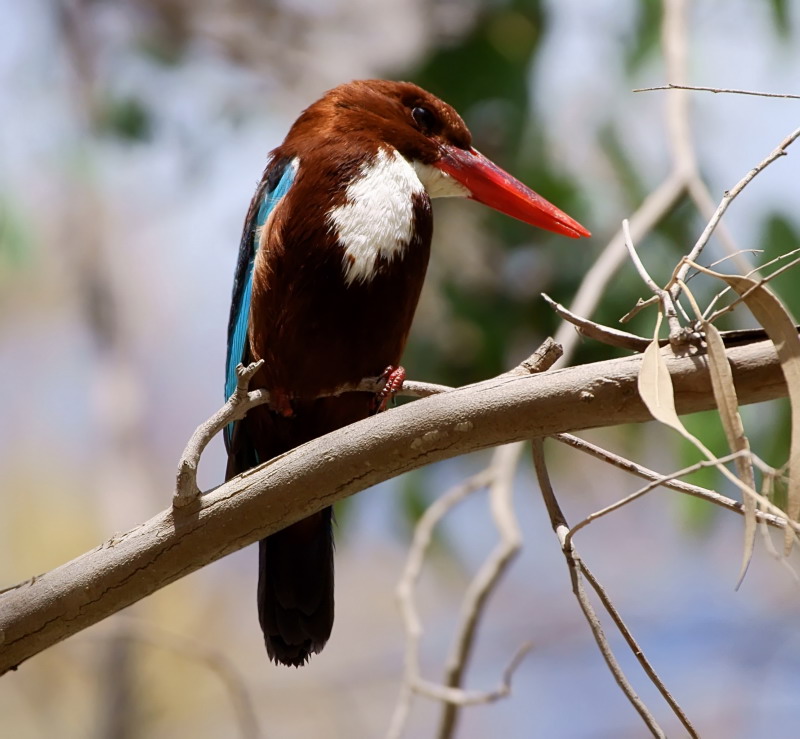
column 393, row 378
column 281, row 403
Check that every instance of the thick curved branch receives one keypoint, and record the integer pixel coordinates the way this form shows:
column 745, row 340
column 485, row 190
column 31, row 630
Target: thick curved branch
column 48, row 608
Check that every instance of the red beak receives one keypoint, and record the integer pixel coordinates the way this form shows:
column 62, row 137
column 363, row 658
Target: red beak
column 490, row 185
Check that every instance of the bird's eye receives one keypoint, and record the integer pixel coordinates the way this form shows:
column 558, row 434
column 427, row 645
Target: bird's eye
column 424, row 119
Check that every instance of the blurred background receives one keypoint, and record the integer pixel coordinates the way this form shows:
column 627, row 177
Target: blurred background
column 133, row 134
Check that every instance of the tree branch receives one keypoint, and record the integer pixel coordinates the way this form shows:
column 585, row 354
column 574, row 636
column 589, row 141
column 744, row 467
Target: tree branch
column 46, row 609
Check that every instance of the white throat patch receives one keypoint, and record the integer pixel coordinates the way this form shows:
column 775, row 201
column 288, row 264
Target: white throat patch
column 439, row 184
column 378, row 218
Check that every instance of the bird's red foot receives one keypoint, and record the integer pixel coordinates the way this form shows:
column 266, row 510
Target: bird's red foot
column 279, row 402
column 393, row 378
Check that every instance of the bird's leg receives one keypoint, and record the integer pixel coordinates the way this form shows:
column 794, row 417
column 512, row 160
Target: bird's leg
column 393, row 378
column 281, row 403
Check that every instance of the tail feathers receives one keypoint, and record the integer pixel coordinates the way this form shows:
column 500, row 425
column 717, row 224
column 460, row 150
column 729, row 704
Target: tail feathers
column 295, row 589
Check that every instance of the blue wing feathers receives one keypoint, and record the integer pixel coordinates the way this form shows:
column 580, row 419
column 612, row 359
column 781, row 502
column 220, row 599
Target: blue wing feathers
column 279, row 177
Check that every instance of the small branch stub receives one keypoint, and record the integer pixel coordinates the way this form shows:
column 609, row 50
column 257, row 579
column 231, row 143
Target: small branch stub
column 186, row 488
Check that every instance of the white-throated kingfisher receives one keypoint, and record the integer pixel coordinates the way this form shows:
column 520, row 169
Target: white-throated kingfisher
column 331, row 264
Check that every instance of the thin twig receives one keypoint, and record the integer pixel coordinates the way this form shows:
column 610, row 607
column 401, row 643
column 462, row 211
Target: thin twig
column 413, row 682
column 241, row 401
column 498, row 476
column 652, row 485
column 756, row 286
column 503, row 467
column 654, row 207
column 678, row 485
column 640, row 305
column 461, row 698
column 727, row 90
column 767, row 486
column 423, row 533
column 760, row 268
column 706, row 204
column 597, row 331
column 727, row 199
column 637, row 650
column 548, row 353
column 561, row 529
column 637, row 263
column 668, row 306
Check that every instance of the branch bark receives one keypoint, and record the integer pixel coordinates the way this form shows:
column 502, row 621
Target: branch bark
column 49, row 608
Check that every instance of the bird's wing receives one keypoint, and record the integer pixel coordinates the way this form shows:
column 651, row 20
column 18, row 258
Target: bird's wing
column 277, row 180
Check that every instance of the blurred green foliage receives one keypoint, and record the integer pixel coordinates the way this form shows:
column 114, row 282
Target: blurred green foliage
column 781, row 18
column 643, row 41
column 126, row 118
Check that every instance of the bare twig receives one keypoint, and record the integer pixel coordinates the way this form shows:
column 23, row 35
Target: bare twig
column 561, row 529
column 654, row 207
column 760, row 268
column 461, row 698
column 637, row 651
column 637, row 263
column 767, row 488
column 640, row 305
column 503, row 468
column 652, row 485
column 741, row 298
column 598, row 332
column 540, row 361
column 498, row 476
column 682, row 487
column 667, row 304
column 727, row 199
column 423, row 534
column 727, row 90
column 241, row 401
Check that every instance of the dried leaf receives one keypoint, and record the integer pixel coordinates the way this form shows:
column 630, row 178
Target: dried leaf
column 728, row 405
column 779, row 325
column 657, row 393
column 655, row 387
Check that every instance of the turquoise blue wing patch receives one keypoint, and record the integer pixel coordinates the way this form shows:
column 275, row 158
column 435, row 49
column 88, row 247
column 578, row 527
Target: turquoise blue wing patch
column 278, row 179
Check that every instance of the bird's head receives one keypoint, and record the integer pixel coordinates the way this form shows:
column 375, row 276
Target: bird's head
column 433, row 138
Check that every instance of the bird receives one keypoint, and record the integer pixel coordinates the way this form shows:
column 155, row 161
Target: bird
column 331, row 262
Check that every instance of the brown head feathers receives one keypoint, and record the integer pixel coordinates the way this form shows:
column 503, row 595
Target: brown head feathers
column 371, row 113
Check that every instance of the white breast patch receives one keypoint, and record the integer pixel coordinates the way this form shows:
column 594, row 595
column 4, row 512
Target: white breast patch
column 378, row 218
